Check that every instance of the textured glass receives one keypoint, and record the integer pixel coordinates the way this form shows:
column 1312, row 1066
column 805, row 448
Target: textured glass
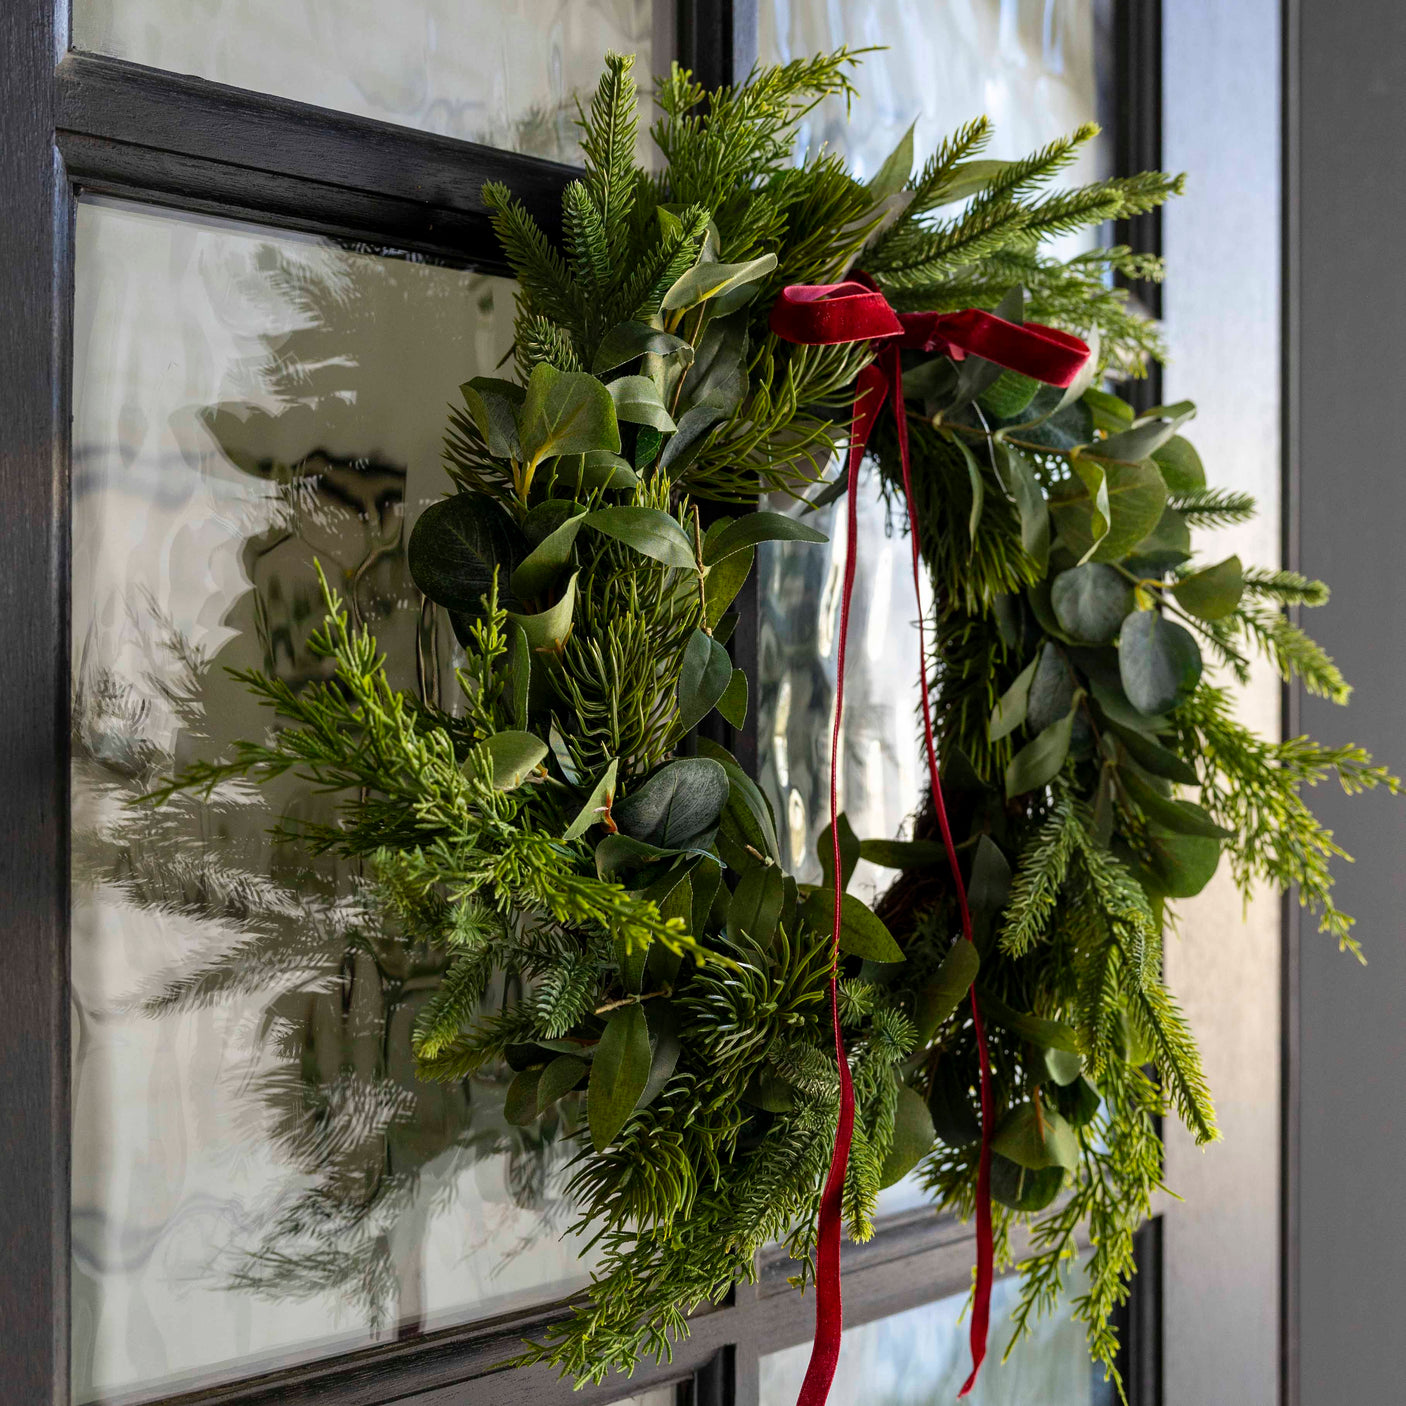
column 257, row 1174
column 921, row 1358
column 505, row 73
column 1030, row 66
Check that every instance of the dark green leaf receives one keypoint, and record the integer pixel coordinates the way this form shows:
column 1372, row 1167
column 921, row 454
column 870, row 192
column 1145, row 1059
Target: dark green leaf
column 1108, row 508
column 549, row 629
column 664, row 1035
column 520, row 1102
column 1008, row 395
column 1182, row 864
column 913, row 1136
column 694, row 424
column 724, row 581
column 566, row 412
column 629, row 860
column 862, row 932
column 1022, row 1189
column 558, row 1079
column 1079, row 1102
column 1091, row 601
column 703, row 679
column 515, row 756
column 675, row 804
column 755, row 907
column 619, row 1073
column 542, row 566
column 454, row 547
column 602, row 469
column 1114, row 704
column 1051, row 690
column 978, row 487
column 1166, row 546
column 754, row 528
column 493, row 405
column 902, row 854
column 1048, row 1034
column 1152, row 756
column 850, row 853
column 1009, row 713
column 1039, row 761
column 1180, row 816
column 1159, row 661
column 990, row 884
column 1110, row 414
column 627, row 340
column 950, row 1103
column 1029, row 498
column 747, row 813
column 733, row 704
column 1036, row 1138
column 638, row 401
column 1063, row 1067
column 947, row 990
column 649, row 531
column 1213, row 593
column 519, row 673
column 602, row 796
column 718, row 377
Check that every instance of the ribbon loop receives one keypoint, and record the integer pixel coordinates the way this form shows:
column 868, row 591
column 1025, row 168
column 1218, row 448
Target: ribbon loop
column 832, row 314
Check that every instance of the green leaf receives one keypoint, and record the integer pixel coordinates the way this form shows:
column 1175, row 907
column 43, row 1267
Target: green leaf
column 1034, row 512
column 1110, row 414
column 675, row 804
column 1166, row 546
column 1180, row 465
column 619, row 1073
column 755, row 906
column 1158, row 661
column 1064, row 1068
column 947, row 990
column 746, row 814
column 1148, row 433
column 1152, row 756
column 1022, row 1189
column 1091, row 601
column 723, row 582
column 1039, row 761
column 566, row 412
column 693, row 427
column 1181, row 864
column 709, row 280
column 902, row 854
column 558, row 1079
column 851, row 851
column 663, row 1030
column 1213, row 593
column 1051, row 691
column 1008, row 395
column 1105, row 511
column 978, row 486
column 520, row 673
column 549, row 629
column 706, row 673
column 1037, row 1138
column 862, row 932
column 624, row 858
column 990, row 886
column 520, row 1102
column 1114, row 703
column 967, row 178
column 650, row 531
column 1078, row 1101
column 913, row 1136
column 1048, row 1034
column 758, row 527
column 1180, row 816
column 733, row 704
column 515, row 756
column 638, row 401
column 718, row 377
column 539, row 570
column 1009, row 712
column 455, row 546
column 493, row 405
column 627, row 340
column 893, row 175
column 602, row 796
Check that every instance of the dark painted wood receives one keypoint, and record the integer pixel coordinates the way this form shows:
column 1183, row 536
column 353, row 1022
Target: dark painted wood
column 132, row 130
column 35, row 296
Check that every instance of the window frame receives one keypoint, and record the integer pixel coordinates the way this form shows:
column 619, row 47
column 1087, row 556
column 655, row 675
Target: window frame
column 76, row 122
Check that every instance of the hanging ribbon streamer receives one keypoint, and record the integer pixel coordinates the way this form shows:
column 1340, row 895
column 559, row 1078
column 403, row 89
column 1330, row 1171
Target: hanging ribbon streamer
column 856, row 311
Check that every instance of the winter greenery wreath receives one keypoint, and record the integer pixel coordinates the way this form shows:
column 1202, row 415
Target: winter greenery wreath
column 561, row 820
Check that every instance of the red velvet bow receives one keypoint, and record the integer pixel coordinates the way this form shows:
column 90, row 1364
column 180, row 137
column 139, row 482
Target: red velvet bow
column 856, row 311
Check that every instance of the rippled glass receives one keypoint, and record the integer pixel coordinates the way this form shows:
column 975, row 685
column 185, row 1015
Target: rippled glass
column 921, row 1358
column 1032, row 67
column 258, row 1176
column 505, row 73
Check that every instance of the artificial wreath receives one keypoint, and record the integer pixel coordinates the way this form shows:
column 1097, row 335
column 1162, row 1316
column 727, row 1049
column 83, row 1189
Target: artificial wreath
column 563, row 819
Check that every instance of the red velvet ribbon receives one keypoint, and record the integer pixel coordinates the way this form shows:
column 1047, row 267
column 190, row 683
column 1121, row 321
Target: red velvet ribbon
column 856, row 311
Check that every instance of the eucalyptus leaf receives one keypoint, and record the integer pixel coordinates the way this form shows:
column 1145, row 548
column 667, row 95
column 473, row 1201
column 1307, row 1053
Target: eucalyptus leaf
column 493, row 405
column 1052, row 689
column 913, row 1136
column 566, row 412
column 708, row 280
column 1030, row 501
column 676, row 803
column 624, row 858
column 718, row 377
column 1151, row 756
column 1180, row 465
column 454, row 548
column 1211, row 594
column 1182, row 817
column 548, row 630
column 754, row 528
column 1010, row 710
column 755, row 906
column 1064, row 1068
column 520, row 1102
column 1159, row 661
column 1022, row 1189
column 1108, row 508
column 989, row 888
column 723, row 581
column 703, row 679
column 862, row 932
column 628, row 340
column 544, row 564
column 1008, row 395
column 1182, row 864
column 733, row 704
column 1048, row 1034
column 519, row 673
column 650, row 531
column 946, row 991
column 1037, row 1138
column 637, row 400
column 515, row 756
column 978, row 487
column 619, row 1074
column 747, row 813
column 664, row 1054
column 600, row 798
column 1091, row 601
column 558, row 1079
column 693, row 427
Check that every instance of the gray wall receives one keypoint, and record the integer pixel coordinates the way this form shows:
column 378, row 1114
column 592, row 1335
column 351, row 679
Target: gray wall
column 1348, row 291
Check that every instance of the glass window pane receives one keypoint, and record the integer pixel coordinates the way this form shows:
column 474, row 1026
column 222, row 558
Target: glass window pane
column 257, row 1174
column 504, row 73
column 1032, row 66
column 921, row 1358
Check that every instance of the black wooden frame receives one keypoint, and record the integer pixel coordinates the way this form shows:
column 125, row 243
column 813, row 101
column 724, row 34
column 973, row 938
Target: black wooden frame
column 74, row 121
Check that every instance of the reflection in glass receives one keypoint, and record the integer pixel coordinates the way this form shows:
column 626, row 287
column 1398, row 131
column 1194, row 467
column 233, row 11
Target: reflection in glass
column 257, row 1174
column 920, row 1358
column 1030, row 65
column 506, row 74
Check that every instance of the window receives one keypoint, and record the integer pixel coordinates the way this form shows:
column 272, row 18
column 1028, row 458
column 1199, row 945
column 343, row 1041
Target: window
column 239, row 298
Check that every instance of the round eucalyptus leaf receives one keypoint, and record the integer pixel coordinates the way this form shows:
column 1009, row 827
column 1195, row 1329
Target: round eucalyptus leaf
column 676, row 803
column 1091, row 601
column 455, row 546
column 1036, row 1137
column 1022, row 1189
column 1182, row 865
column 1159, row 661
column 1051, row 690
column 1213, row 593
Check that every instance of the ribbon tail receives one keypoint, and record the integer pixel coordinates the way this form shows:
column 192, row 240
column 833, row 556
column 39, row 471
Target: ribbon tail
column 985, row 1244
column 829, row 1301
